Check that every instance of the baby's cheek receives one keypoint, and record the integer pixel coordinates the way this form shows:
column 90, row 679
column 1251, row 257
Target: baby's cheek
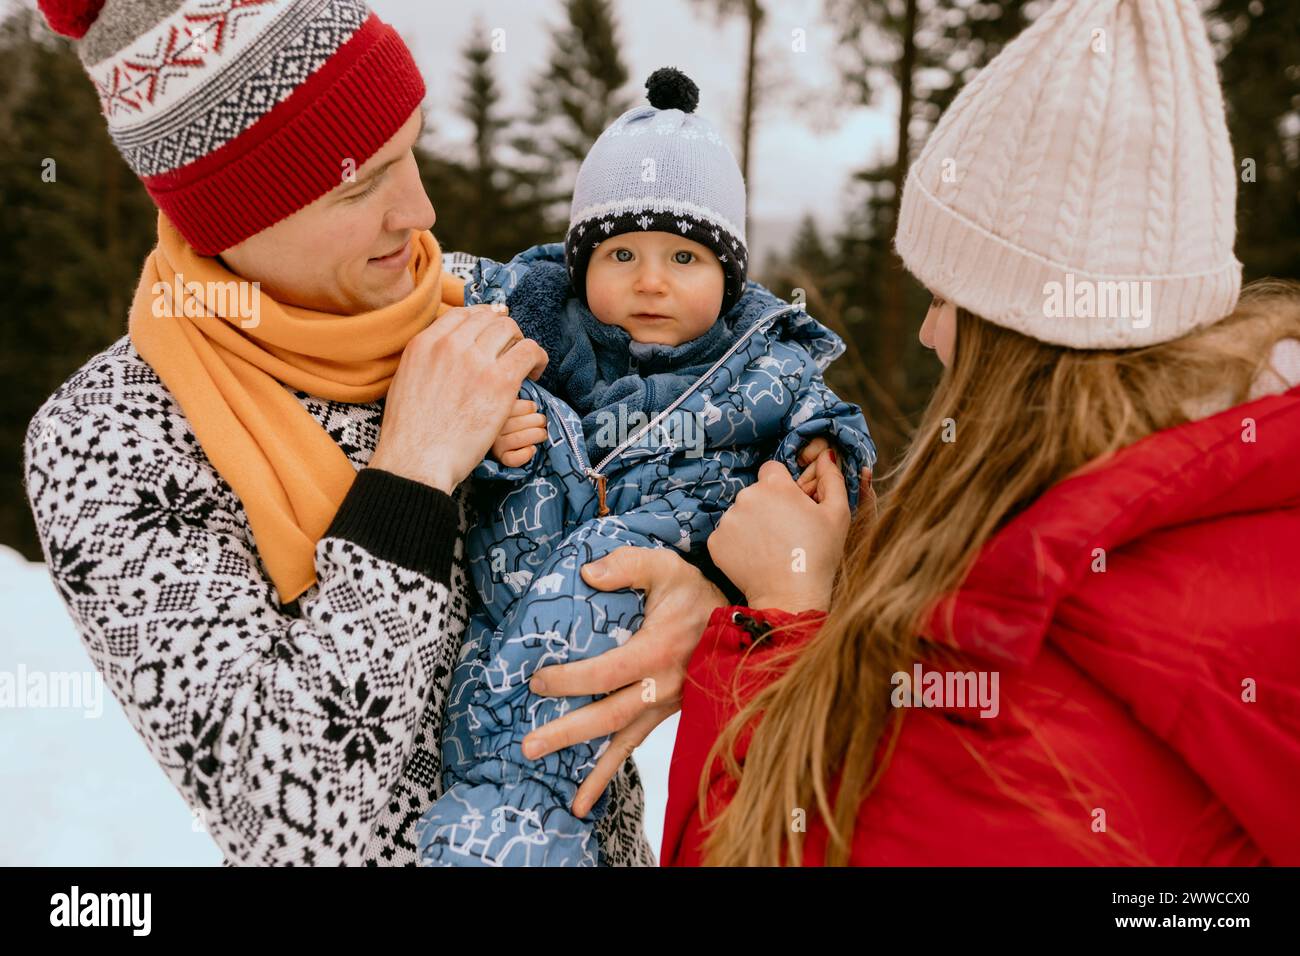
column 706, row 304
column 599, row 297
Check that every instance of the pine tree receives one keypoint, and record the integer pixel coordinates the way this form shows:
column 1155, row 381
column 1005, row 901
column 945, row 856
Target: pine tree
column 480, row 105
column 924, row 51
column 578, row 94
column 808, row 252
column 1259, row 46
column 446, row 184
column 76, row 227
column 508, row 200
column 754, row 15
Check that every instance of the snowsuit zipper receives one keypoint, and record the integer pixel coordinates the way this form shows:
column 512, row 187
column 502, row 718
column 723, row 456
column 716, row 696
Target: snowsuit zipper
column 595, row 474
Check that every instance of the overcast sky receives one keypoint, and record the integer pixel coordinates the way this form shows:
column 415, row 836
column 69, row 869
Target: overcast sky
column 806, row 146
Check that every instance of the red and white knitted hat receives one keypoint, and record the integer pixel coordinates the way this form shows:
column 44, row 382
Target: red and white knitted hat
column 237, row 113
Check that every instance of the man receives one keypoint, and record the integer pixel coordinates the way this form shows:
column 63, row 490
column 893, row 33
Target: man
column 252, row 503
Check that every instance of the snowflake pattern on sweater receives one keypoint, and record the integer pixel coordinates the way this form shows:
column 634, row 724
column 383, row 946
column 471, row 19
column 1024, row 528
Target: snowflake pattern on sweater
column 305, row 734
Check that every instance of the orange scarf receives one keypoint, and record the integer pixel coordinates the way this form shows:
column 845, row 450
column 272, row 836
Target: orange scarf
column 229, row 372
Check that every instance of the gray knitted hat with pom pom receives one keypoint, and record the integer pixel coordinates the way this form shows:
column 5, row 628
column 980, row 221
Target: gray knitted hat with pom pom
column 661, row 168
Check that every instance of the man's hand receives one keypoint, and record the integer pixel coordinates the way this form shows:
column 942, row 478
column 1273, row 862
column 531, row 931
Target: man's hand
column 643, row 677
column 520, row 435
column 453, row 390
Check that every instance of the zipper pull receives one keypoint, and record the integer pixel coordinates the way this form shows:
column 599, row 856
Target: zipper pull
column 602, row 509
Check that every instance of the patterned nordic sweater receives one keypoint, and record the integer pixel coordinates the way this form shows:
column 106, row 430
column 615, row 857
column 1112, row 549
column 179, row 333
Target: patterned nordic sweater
column 305, row 734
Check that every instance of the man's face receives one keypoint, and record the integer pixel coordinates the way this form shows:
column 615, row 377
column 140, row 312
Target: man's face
column 335, row 255
column 657, row 287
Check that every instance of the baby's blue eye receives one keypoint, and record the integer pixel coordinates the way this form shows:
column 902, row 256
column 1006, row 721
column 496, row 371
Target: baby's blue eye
column 687, row 261
column 618, row 254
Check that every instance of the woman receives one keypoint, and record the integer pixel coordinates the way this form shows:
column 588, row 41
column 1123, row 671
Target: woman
column 1141, row 616
column 1073, row 516
column 1094, row 526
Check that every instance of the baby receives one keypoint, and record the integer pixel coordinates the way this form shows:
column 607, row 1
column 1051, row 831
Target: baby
column 671, row 380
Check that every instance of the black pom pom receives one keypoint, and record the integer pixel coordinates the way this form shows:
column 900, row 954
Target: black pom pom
column 671, row 89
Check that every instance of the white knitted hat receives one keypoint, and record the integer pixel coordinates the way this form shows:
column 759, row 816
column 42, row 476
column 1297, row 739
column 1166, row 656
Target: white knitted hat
column 1082, row 188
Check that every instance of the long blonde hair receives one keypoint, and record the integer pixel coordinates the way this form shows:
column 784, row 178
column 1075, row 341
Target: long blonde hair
column 1027, row 414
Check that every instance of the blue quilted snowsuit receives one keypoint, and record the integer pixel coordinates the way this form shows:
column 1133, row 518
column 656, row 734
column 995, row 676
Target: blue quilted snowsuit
column 753, row 392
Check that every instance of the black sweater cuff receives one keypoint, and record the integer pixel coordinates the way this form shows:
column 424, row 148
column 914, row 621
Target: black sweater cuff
column 401, row 521
column 704, row 561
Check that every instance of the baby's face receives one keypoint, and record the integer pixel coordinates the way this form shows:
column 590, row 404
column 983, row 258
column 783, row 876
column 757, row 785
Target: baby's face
column 657, row 287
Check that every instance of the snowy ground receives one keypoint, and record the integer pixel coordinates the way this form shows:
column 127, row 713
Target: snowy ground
column 77, row 787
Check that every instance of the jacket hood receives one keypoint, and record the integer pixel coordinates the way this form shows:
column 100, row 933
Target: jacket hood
column 1243, row 460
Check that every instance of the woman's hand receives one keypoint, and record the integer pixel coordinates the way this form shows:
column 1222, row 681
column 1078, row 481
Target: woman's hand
column 453, row 390
column 780, row 546
column 643, row 677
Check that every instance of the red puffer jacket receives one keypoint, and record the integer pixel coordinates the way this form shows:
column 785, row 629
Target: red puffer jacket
column 1149, row 712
